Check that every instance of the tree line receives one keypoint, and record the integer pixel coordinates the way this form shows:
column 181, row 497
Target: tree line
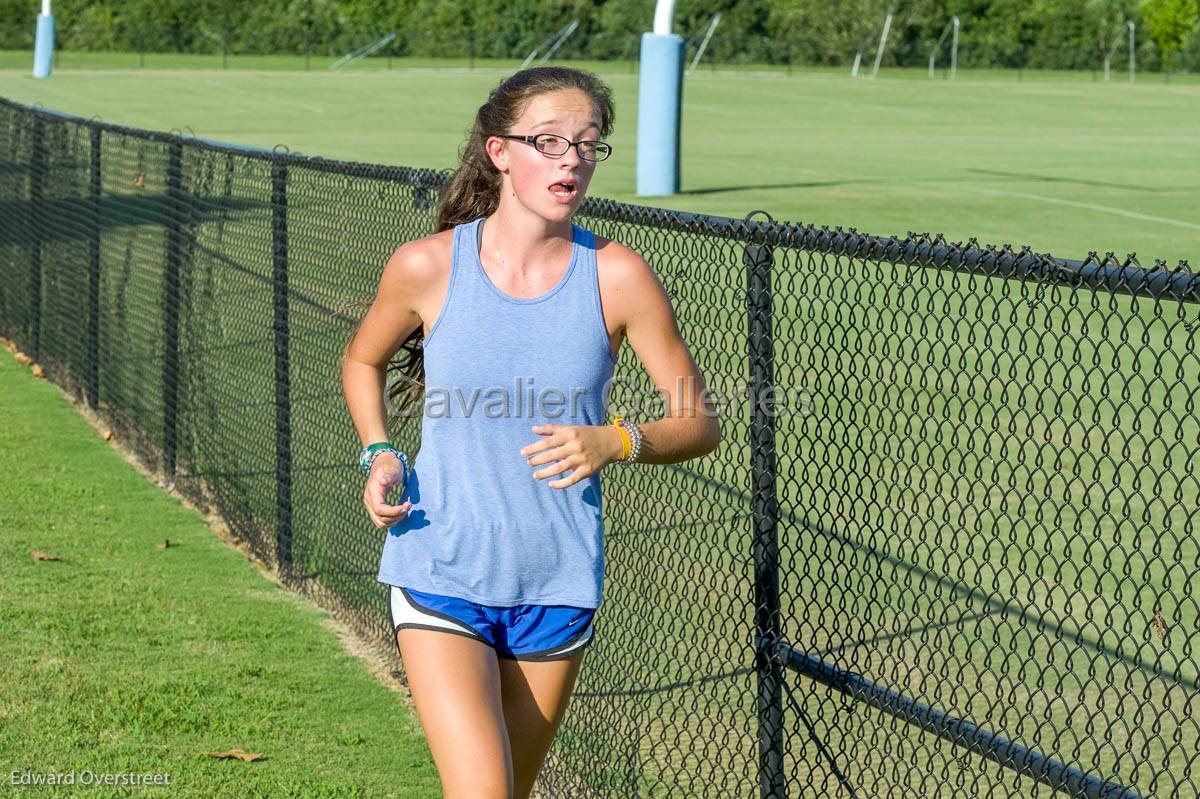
column 1060, row 34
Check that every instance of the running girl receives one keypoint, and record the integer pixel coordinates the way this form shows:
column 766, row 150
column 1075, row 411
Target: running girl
column 511, row 318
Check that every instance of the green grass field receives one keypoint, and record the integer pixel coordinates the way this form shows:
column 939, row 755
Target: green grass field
column 948, row 529
column 125, row 658
column 1055, row 161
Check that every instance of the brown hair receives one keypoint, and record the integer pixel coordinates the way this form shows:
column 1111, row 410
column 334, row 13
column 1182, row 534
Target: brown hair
column 474, row 191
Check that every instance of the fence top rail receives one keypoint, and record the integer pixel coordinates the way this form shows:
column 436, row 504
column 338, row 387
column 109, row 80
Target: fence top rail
column 921, row 250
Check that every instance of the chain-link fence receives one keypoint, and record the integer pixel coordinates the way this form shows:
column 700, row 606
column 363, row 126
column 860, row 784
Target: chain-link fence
column 947, row 547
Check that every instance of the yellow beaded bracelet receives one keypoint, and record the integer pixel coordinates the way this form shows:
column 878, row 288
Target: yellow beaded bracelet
column 626, row 444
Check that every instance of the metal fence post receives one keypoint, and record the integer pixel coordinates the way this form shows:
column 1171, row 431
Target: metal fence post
column 758, row 259
column 171, row 302
column 283, row 408
column 93, row 312
column 37, row 174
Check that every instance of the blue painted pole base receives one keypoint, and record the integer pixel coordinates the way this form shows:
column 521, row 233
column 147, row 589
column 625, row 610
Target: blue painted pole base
column 43, row 48
column 660, row 99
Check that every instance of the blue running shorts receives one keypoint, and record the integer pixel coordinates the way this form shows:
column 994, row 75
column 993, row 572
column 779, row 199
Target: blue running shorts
column 517, row 632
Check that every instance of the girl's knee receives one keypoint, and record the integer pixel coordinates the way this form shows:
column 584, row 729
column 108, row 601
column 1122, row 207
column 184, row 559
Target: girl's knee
column 478, row 787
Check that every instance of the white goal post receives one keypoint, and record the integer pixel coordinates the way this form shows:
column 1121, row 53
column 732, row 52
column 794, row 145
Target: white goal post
column 551, row 44
column 712, row 26
column 887, row 26
column 1132, row 52
column 951, row 28
column 363, row 52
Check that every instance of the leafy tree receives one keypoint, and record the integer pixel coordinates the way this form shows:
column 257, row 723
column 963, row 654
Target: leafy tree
column 1170, row 23
column 1006, row 33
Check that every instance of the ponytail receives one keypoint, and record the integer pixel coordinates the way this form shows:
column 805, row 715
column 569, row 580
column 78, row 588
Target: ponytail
column 474, row 188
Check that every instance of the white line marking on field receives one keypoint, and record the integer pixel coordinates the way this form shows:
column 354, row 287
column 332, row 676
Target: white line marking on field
column 262, row 97
column 1091, row 207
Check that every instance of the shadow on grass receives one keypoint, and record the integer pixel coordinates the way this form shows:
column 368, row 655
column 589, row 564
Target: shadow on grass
column 69, row 219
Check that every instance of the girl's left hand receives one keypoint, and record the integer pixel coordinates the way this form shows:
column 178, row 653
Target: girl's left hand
column 585, row 449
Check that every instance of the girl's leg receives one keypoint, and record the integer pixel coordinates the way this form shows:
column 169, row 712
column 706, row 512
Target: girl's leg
column 455, row 684
column 535, row 694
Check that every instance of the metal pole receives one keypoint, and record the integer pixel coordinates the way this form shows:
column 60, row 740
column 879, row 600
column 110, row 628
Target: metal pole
column 952, row 25
column 283, row 408
column 712, row 26
column 764, row 506
column 1132, row 52
column 43, row 46
column 37, row 174
column 958, row 731
column 954, row 50
column 170, row 375
column 93, row 312
column 887, row 26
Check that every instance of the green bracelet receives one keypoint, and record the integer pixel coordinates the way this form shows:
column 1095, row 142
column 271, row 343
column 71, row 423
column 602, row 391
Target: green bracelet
column 375, row 450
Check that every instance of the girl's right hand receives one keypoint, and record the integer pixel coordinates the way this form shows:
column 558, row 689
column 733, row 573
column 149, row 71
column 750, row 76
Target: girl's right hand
column 386, row 472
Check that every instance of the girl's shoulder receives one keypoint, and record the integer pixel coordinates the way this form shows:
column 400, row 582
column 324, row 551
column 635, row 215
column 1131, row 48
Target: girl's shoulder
column 615, row 260
column 628, row 285
column 423, row 260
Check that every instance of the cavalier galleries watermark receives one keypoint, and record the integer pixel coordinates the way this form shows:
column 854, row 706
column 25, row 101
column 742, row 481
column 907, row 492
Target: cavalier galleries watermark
column 87, row 778
column 523, row 398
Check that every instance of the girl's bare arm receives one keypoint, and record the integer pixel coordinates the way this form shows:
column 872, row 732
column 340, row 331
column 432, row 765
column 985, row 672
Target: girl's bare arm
column 390, row 320
column 690, row 426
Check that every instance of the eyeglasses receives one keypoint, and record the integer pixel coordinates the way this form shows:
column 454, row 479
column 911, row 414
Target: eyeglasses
column 550, row 144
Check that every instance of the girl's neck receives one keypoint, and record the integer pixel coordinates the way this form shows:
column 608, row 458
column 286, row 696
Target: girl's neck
column 521, row 241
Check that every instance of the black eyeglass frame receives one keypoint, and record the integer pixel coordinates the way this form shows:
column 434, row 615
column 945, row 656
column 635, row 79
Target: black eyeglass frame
column 531, row 139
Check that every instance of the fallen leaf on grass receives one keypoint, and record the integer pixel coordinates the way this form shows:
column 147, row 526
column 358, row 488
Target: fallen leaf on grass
column 166, row 543
column 39, row 555
column 23, row 359
column 238, row 753
column 37, row 370
column 1159, row 625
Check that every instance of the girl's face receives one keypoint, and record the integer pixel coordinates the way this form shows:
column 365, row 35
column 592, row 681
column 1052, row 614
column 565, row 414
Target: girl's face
column 551, row 186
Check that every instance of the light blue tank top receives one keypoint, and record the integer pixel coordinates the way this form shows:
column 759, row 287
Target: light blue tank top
column 481, row 528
